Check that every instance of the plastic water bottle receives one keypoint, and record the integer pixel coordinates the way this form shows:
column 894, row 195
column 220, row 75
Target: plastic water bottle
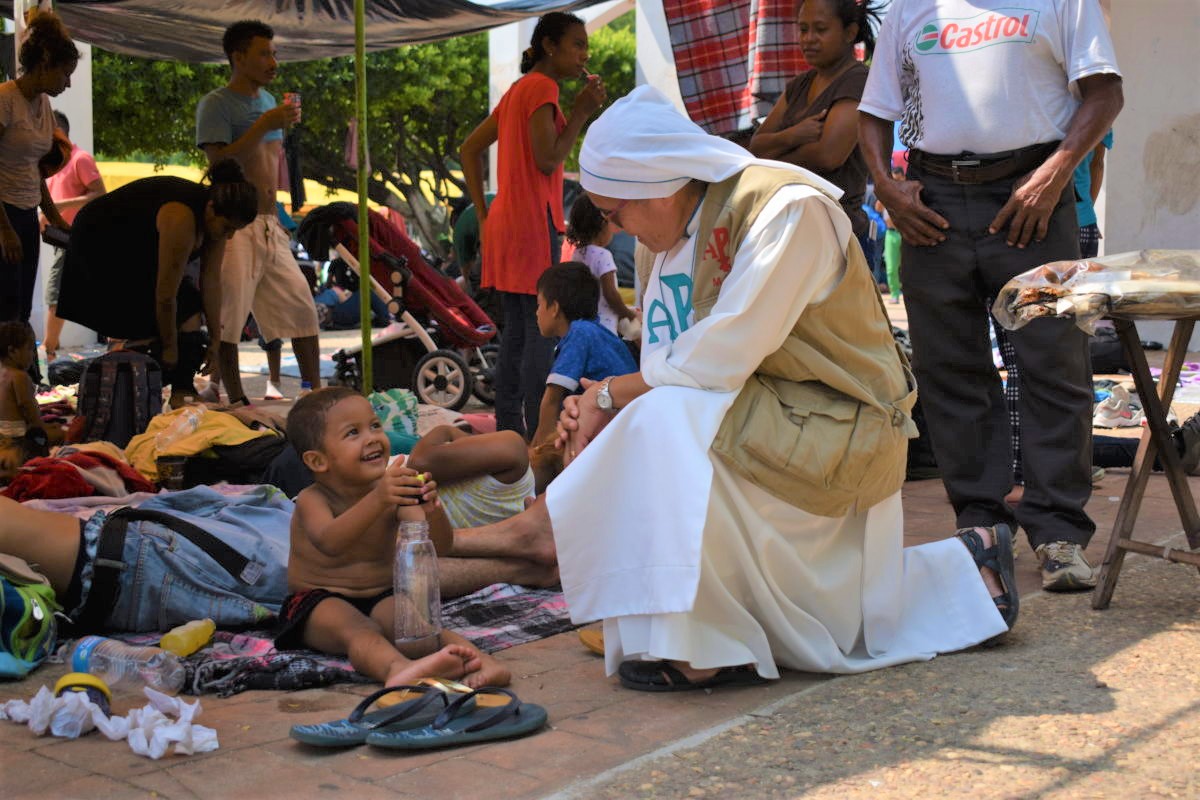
column 185, row 424
column 418, row 591
column 124, row 666
column 188, row 637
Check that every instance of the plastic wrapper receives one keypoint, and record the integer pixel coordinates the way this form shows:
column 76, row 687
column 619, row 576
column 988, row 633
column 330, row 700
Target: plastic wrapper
column 150, row 730
column 1142, row 284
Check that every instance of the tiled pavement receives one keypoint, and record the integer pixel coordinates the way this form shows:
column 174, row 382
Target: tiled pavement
column 595, row 726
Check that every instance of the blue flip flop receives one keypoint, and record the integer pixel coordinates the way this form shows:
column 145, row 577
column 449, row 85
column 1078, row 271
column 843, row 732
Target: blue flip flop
column 354, row 729
column 462, row 722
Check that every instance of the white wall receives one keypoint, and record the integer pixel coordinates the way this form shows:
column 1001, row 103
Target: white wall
column 1152, row 180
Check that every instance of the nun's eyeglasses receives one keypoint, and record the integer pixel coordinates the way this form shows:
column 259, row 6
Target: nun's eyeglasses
column 611, row 214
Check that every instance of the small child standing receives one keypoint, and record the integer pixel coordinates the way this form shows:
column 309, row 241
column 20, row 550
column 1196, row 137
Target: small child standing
column 343, row 543
column 567, row 297
column 591, row 233
column 18, row 400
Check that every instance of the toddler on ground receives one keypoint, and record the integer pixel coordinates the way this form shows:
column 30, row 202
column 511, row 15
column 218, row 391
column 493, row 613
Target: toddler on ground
column 18, row 400
column 343, row 542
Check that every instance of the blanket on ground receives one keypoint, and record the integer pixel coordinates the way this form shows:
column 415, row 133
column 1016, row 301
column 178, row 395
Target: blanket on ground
column 75, row 474
column 494, row 618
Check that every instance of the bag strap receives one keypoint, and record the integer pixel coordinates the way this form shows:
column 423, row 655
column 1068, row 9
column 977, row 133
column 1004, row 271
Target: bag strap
column 103, row 416
column 141, row 403
column 243, row 569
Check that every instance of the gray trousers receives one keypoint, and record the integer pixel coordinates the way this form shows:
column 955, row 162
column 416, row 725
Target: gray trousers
column 946, row 287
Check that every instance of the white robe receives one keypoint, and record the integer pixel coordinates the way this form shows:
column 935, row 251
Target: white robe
column 684, row 559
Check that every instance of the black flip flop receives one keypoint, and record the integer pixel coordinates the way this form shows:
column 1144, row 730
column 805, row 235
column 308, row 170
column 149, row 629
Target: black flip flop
column 660, row 676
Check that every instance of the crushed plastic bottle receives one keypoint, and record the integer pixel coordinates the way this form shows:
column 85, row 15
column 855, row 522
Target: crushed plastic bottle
column 124, row 666
column 185, row 423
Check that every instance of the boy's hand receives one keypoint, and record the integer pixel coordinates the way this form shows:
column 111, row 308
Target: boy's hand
column 401, row 486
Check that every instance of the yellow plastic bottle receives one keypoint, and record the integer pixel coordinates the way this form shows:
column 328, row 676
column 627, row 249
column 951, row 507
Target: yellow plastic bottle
column 189, row 637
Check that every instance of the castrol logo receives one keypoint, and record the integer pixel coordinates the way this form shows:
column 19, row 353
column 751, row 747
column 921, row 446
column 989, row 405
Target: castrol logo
column 1004, row 25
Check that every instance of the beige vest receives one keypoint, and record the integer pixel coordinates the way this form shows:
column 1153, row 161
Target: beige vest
column 823, row 422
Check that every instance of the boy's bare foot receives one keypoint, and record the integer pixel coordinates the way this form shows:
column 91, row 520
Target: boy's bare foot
column 452, row 661
column 491, row 672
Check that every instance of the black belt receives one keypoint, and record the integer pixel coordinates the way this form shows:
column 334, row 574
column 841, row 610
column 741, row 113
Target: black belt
column 976, row 168
column 109, row 561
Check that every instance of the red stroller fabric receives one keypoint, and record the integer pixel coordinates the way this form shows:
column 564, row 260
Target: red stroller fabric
column 428, row 291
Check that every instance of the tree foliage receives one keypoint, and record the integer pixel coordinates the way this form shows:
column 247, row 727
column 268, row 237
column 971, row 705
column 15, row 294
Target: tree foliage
column 423, row 101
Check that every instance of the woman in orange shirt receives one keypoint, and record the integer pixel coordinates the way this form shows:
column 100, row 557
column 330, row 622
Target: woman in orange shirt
column 520, row 229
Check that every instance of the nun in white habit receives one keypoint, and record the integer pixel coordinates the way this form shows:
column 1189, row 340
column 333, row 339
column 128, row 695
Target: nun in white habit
column 702, row 577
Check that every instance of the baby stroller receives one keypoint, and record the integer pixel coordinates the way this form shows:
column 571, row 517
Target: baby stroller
column 440, row 345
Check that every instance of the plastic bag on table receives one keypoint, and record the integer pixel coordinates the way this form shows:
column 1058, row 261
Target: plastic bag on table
column 1141, row 284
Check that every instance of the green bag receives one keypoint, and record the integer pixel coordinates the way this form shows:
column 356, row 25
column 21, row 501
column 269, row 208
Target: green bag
column 397, row 410
column 28, row 630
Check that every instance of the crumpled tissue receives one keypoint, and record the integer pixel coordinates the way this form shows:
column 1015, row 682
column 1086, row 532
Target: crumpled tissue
column 149, row 730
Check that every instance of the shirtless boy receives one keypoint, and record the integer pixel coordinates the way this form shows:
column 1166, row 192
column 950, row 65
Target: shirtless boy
column 342, row 544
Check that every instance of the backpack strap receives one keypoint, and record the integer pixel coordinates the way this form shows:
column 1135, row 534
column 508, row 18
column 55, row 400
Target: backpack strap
column 141, row 403
column 103, row 412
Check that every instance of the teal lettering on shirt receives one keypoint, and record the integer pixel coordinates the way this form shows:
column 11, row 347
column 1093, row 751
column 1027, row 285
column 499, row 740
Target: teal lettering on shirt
column 680, row 288
column 657, row 316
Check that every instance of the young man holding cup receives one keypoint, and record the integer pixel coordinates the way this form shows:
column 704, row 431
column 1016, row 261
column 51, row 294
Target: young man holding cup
column 241, row 121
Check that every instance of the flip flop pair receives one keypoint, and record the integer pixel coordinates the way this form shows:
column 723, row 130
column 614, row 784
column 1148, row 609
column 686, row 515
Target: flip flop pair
column 435, row 715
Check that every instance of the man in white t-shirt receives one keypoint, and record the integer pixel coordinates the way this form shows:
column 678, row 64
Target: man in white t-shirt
column 998, row 101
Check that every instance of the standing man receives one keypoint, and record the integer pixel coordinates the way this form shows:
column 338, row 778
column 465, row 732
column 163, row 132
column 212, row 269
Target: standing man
column 241, row 121
column 75, row 185
column 998, row 104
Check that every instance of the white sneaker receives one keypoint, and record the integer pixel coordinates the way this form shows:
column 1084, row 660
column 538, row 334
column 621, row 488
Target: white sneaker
column 272, row 392
column 1116, row 411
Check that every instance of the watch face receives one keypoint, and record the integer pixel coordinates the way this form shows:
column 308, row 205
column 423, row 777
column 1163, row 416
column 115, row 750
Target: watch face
column 604, row 399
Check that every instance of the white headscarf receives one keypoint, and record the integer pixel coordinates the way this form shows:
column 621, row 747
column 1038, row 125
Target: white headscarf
column 642, row 148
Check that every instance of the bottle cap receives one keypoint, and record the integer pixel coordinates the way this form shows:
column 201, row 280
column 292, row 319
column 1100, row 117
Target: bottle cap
column 96, row 689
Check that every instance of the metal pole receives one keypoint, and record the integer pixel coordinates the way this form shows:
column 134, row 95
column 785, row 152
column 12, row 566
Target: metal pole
column 364, row 174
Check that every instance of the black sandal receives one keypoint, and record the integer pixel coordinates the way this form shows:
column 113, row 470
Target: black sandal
column 999, row 559
column 660, row 676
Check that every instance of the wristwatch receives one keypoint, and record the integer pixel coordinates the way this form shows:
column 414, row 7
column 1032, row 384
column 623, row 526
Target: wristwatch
column 604, row 399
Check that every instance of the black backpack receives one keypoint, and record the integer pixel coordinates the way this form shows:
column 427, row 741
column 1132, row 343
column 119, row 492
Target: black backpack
column 1108, row 356
column 119, row 393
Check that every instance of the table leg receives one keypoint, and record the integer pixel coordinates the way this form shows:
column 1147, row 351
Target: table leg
column 1156, row 439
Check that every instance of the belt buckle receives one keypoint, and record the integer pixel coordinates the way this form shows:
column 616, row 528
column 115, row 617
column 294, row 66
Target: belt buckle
column 954, row 166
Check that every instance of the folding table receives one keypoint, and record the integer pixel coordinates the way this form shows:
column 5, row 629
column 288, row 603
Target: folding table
column 1156, row 440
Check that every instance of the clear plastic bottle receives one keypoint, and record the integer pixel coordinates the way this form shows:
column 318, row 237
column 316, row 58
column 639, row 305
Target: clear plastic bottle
column 185, row 424
column 124, row 666
column 189, row 637
column 418, row 591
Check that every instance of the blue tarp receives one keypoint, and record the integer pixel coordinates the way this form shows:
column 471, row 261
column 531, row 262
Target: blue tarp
column 190, row 30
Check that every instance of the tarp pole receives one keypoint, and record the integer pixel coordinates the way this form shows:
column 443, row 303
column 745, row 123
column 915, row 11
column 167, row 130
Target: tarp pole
column 364, row 174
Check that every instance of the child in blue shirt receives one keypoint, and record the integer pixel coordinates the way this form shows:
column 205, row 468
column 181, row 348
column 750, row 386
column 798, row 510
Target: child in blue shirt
column 568, row 295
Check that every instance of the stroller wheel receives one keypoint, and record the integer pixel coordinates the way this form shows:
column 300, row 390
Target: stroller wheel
column 482, row 361
column 442, row 378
